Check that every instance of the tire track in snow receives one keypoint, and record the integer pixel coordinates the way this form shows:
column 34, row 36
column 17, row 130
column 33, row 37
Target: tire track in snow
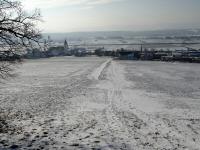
column 97, row 72
column 121, row 138
column 129, row 128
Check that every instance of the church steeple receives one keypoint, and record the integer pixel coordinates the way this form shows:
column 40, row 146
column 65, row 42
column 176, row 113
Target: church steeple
column 141, row 48
column 66, row 46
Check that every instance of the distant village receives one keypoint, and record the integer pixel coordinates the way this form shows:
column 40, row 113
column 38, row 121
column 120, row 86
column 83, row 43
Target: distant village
column 51, row 50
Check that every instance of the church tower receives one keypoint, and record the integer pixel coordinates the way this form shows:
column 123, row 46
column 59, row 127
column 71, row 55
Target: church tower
column 66, row 46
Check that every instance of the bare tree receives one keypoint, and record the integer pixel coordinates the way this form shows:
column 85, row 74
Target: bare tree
column 17, row 30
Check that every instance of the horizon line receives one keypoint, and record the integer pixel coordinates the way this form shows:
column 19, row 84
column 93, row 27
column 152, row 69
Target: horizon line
column 153, row 30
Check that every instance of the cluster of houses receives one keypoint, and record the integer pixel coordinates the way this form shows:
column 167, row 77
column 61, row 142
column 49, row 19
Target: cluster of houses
column 189, row 55
column 47, row 51
column 55, row 51
column 184, row 55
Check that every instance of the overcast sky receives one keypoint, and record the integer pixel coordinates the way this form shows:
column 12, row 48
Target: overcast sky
column 103, row 15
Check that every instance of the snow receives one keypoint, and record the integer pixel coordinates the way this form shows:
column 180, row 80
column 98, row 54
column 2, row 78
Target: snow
column 100, row 103
column 97, row 72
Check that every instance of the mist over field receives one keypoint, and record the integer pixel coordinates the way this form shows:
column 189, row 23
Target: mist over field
column 124, row 34
column 111, row 40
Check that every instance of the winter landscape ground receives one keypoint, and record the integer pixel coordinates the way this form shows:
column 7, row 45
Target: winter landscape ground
column 101, row 103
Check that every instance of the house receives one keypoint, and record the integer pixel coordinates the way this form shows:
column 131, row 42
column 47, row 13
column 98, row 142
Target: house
column 158, row 55
column 67, row 50
column 56, row 51
column 99, row 51
column 147, row 55
column 128, row 54
column 79, row 52
column 194, row 53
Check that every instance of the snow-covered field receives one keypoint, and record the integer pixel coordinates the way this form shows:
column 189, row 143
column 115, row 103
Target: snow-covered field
column 100, row 103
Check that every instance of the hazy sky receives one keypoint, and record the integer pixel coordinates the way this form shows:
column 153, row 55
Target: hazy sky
column 101, row 15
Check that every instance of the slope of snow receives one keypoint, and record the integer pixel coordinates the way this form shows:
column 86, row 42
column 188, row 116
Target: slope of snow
column 99, row 103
